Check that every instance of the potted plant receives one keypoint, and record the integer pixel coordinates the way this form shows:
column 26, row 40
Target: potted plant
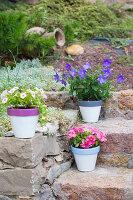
column 23, row 108
column 91, row 85
column 85, row 145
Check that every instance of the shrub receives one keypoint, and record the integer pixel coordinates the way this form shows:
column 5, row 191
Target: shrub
column 36, row 46
column 12, row 28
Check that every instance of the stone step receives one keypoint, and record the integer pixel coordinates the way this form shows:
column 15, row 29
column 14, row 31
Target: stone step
column 104, row 183
column 118, row 150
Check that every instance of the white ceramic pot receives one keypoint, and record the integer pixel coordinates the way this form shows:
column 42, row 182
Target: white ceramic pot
column 85, row 158
column 90, row 110
column 23, row 121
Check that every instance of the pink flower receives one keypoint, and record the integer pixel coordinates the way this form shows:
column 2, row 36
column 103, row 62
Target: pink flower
column 4, row 93
column 29, row 90
column 91, row 139
column 41, row 90
column 74, row 129
column 101, row 136
column 81, row 129
column 85, row 144
column 36, row 92
column 93, row 130
column 44, row 96
column 4, row 100
column 33, row 94
column 12, row 91
column 71, row 134
column 23, row 95
column 15, row 88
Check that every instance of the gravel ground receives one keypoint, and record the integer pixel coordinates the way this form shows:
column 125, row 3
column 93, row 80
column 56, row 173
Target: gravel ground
column 96, row 53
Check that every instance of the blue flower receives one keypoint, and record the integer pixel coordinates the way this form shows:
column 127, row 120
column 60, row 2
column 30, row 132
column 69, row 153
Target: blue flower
column 107, row 62
column 63, row 82
column 68, row 67
column 82, row 73
column 53, row 88
column 107, row 72
column 120, row 79
column 101, row 79
column 87, row 66
column 73, row 72
column 56, row 77
column 66, row 75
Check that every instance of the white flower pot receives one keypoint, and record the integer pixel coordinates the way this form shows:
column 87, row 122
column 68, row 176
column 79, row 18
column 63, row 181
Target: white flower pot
column 85, row 158
column 90, row 110
column 23, row 121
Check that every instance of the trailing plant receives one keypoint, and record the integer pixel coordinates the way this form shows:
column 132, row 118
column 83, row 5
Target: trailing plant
column 12, row 28
column 25, row 98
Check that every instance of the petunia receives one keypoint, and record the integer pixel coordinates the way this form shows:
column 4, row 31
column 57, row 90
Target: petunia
column 85, row 144
column 71, row 134
column 23, row 95
column 91, row 139
column 5, row 100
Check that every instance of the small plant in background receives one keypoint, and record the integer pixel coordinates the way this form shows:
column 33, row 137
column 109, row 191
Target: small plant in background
column 125, row 60
column 85, row 138
column 119, row 43
column 25, row 98
column 69, row 58
column 87, row 83
column 12, row 28
column 36, row 46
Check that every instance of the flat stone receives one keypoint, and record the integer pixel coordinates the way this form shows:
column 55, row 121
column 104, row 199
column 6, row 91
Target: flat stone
column 129, row 115
column 4, row 198
column 22, row 182
column 46, row 193
column 119, row 133
column 56, row 171
column 36, row 30
column 57, row 99
column 108, row 183
column 130, row 163
column 51, row 146
column 4, row 165
column 119, row 160
column 126, row 99
column 74, row 50
column 26, row 153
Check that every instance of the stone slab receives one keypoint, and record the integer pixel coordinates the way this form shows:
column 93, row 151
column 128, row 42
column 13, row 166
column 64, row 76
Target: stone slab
column 101, row 184
column 26, row 153
column 22, row 182
column 119, row 135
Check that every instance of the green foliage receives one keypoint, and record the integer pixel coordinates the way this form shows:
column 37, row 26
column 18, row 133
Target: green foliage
column 125, row 60
column 25, row 98
column 36, row 46
column 12, row 28
column 119, row 43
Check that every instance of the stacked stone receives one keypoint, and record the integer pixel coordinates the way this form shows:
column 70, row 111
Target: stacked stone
column 29, row 166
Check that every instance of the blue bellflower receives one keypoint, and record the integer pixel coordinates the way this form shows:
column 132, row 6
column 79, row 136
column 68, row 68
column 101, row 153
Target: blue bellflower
column 68, row 67
column 87, row 66
column 107, row 72
column 53, row 88
column 82, row 73
column 120, row 79
column 56, row 77
column 66, row 75
column 73, row 72
column 101, row 79
column 107, row 62
column 63, row 82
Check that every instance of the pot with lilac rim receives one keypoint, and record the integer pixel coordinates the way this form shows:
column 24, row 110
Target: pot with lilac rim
column 24, row 107
column 85, row 145
column 91, row 85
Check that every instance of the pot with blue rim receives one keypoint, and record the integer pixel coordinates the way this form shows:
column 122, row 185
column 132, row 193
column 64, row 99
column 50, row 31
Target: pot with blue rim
column 90, row 110
column 85, row 158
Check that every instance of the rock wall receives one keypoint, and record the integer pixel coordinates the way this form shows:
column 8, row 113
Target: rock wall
column 28, row 167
